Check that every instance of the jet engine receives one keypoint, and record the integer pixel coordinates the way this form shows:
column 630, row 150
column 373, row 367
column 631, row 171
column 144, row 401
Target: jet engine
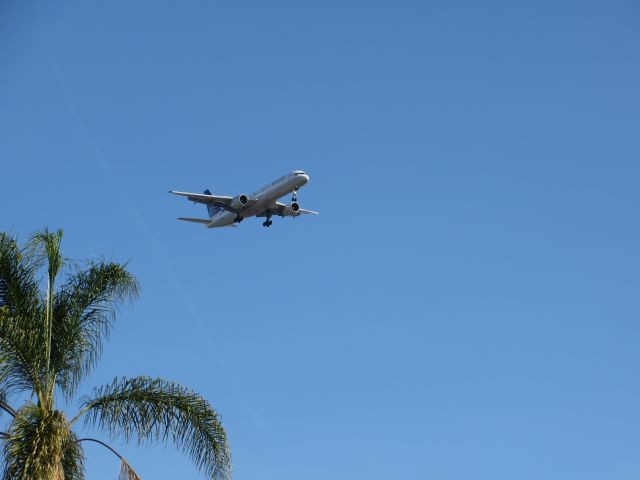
column 239, row 201
column 291, row 210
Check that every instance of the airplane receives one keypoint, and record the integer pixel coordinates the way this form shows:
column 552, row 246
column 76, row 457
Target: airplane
column 227, row 211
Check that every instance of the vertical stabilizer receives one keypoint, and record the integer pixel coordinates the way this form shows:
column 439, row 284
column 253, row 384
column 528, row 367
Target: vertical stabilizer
column 212, row 208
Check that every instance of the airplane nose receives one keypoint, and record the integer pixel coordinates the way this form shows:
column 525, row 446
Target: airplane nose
column 306, row 178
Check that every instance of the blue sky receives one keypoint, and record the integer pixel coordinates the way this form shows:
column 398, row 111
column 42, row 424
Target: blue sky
column 466, row 304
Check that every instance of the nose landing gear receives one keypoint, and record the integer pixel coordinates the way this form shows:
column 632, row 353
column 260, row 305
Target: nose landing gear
column 295, row 195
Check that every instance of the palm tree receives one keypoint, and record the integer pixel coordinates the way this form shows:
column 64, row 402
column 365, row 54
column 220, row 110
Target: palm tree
column 49, row 342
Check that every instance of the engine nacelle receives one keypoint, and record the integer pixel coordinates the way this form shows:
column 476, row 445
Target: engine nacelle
column 239, row 201
column 291, row 210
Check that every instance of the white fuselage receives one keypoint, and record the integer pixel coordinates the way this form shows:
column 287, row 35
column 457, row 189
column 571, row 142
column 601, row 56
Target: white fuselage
column 265, row 198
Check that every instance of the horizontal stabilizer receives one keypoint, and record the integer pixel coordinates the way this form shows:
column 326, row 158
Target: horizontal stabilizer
column 205, row 221
column 203, row 197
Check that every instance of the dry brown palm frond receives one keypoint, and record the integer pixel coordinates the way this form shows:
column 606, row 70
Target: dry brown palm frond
column 126, row 472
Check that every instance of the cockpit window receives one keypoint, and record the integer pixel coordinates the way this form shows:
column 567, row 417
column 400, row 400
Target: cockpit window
column 299, row 173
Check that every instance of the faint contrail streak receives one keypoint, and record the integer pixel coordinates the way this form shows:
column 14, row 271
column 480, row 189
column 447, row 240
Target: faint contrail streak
column 158, row 248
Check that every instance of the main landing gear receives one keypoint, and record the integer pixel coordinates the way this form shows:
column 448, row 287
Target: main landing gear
column 267, row 222
column 239, row 219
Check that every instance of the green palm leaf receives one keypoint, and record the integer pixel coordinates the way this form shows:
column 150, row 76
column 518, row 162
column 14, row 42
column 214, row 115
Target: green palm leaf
column 84, row 312
column 149, row 409
column 22, row 331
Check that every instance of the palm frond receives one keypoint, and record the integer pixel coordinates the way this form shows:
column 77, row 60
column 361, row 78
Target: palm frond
column 21, row 353
column 84, row 312
column 22, row 330
column 44, row 249
column 127, row 472
column 18, row 287
column 33, row 448
column 149, row 410
column 72, row 458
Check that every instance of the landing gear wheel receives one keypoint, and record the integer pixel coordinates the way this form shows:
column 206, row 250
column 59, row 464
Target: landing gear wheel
column 267, row 222
column 239, row 219
column 295, row 195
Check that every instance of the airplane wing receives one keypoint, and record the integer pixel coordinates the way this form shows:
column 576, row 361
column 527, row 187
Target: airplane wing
column 223, row 201
column 279, row 207
column 195, row 220
column 202, row 220
column 204, row 198
column 308, row 212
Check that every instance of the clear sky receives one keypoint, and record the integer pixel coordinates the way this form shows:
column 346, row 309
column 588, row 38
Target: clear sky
column 465, row 306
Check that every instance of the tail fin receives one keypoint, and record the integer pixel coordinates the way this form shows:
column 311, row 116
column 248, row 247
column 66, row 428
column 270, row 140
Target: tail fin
column 211, row 208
